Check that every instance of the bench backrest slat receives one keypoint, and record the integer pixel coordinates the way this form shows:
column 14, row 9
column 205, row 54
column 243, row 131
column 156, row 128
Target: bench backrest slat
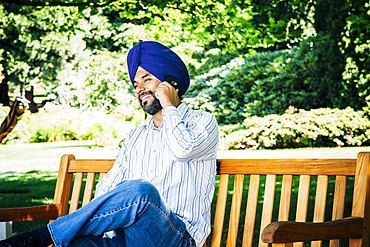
column 89, row 187
column 286, row 193
column 77, row 186
column 302, row 201
column 268, row 204
column 251, row 210
column 220, row 210
column 339, row 197
column 235, row 211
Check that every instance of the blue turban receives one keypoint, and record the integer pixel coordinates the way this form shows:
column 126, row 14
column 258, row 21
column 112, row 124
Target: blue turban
column 159, row 61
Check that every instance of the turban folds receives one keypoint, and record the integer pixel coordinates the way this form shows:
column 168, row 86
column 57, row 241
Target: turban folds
column 159, row 61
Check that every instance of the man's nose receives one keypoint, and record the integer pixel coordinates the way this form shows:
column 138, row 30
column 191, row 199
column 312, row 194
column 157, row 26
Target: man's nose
column 139, row 88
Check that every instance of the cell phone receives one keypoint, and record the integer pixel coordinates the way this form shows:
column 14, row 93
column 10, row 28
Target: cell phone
column 173, row 81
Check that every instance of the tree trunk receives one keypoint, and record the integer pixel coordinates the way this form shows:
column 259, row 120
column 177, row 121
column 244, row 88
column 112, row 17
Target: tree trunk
column 4, row 97
column 32, row 105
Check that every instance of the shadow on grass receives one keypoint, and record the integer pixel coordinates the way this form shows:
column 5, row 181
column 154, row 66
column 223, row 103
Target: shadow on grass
column 27, row 189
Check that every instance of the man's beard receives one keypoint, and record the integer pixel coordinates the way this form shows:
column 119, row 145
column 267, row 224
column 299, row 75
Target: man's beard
column 152, row 108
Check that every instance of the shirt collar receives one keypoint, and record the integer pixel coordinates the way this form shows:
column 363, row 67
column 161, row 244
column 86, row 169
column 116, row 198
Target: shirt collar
column 182, row 109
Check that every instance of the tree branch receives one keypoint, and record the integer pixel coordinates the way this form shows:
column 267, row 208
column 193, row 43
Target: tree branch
column 54, row 3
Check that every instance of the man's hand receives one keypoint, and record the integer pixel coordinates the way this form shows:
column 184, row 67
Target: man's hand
column 166, row 94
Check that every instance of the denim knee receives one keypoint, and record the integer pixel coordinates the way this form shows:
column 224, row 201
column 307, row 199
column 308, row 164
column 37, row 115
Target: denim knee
column 138, row 188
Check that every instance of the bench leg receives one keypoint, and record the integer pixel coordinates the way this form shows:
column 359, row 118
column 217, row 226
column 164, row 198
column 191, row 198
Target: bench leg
column 5, row 230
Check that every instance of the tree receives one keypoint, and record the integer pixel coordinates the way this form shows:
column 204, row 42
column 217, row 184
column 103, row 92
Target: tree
column 37, row 42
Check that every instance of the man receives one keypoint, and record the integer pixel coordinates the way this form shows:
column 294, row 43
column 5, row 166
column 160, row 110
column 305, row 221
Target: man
column 160, row 188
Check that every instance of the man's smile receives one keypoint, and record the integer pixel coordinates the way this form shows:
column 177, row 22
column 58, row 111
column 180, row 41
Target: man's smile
column 145, row 96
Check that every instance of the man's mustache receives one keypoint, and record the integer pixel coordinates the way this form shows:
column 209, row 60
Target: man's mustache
column 144, row 93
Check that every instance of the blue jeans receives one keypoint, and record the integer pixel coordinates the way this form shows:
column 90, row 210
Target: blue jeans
column 134, row 209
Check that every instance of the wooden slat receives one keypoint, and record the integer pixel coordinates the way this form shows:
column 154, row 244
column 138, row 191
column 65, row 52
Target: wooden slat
column 320, row 203
column 302, row 202
column 361, row 198
column 220, row 210
column 235, row 211
column 101, row 175
column 76, row 192
column 268, row 203
column 286, row 192
column 88, row 188
column 338, row 203
column 44, row 212
column 89, row 166
column 64, row 184
column 288, row 231
column 250, row 216
column 342, row 167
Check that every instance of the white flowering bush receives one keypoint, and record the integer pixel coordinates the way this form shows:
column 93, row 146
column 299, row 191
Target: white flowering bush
column 315, row 128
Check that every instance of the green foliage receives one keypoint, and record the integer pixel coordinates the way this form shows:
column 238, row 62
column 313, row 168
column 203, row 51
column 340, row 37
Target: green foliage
column 264, row 83
column 316, row 128
column 98, row 81
column 34, row 43
column 355, row 45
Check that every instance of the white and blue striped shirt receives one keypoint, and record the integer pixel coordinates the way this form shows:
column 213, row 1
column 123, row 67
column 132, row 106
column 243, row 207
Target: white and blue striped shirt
column 179, row 159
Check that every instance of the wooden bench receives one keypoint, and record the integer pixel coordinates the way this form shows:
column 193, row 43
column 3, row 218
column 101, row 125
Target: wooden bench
column 251, row 193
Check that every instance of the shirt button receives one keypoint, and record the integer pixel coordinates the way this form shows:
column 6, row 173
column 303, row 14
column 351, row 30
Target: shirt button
column 154, row 150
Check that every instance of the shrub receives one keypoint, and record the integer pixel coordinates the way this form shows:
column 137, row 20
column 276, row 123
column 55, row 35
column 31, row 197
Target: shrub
column 316, row 128
column 263, row 83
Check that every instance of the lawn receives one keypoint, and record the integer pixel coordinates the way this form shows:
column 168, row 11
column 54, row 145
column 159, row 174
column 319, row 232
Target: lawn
column 24, row 187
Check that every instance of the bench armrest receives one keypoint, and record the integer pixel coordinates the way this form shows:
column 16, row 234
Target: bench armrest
column 289, row 232
column 44, row 212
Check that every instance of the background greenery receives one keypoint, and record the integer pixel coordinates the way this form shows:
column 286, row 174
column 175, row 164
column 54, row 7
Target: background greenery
column 74, row 52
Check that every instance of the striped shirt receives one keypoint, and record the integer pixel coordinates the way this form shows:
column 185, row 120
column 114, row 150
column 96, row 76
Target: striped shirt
column 179, row 159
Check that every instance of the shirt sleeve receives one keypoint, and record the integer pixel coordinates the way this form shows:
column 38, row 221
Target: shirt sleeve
column 191, row 138
column 115, row 175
